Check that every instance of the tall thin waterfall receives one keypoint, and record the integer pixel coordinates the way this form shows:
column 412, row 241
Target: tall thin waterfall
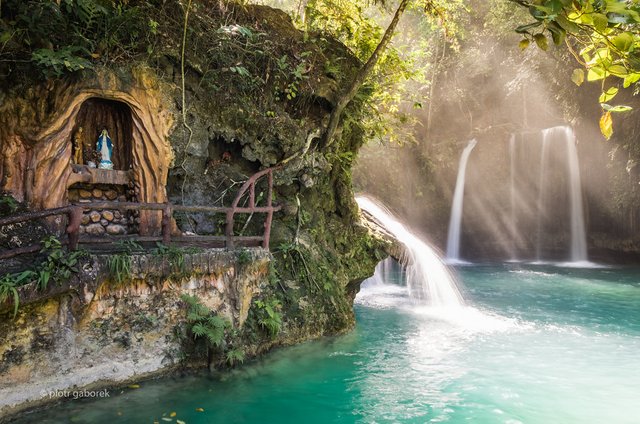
column 428, row 278
column 512, row 193
column 455, row 221
column 542, row 189
column 578, row 233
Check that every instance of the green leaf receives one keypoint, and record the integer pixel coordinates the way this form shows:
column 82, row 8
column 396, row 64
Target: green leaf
column 577, row 77
column 5, row 36
column 557, row 35
column 623, row 42
column 595, row 73
column 631, row 79
column 568, row 25
column 618, row 70
column 606, row 125
column 600, row 21
column 524, row 43
column 524, row 29
column 616, row 109
column 541, row 41
column 608, row 95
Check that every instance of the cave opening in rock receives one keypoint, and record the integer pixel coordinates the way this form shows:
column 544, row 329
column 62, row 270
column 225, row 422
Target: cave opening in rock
column 97, row 114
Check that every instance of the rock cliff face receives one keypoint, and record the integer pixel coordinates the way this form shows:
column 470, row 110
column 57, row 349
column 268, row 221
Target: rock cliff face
column 94, row 333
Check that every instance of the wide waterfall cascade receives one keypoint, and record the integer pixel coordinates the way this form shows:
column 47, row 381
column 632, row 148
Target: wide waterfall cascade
column 428, row 279
column 455, row 221
column 565, row 155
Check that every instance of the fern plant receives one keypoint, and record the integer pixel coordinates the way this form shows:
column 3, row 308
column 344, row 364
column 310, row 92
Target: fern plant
column 204, row 324
column 235, row 356
column 269, row 317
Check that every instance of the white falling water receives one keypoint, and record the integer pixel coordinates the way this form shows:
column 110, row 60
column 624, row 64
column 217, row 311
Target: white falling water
column 428, row 278
column 382, row 273
column 455, row 221
column 550, row 137
column 578, row 233
column 542, row 189
column 512, row 193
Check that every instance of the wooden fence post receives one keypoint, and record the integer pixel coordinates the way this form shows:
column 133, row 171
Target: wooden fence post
column 166, row 224
column 73, row 229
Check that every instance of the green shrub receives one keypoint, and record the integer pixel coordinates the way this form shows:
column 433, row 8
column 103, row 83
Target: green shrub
column 120, row 263
column 204, row 324
column 269, row 317
column 244, row 257
column 235, row 356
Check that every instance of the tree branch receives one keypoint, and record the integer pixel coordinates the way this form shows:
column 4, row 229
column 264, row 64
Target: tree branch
column 352, row 89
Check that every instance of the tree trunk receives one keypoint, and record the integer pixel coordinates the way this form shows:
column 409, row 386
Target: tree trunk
column 350, row 91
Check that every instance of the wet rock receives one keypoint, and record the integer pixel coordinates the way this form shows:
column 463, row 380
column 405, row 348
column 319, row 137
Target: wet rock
column 108, row 215
column 111, row 194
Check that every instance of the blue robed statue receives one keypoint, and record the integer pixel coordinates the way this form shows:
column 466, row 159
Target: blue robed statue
column 105, row 148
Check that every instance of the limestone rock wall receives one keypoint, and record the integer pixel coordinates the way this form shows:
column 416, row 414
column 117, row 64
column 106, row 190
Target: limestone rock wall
column 63, row 341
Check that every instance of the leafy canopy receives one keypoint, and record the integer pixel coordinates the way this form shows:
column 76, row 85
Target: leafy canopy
column 602, row 35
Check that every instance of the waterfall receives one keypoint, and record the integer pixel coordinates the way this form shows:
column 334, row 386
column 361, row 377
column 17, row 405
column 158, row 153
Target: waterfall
column 578, row 233
column 428, row 279
column 558, row 161
column 383, row 273
column 542, row 186
column 512, row 193
column 455, row 221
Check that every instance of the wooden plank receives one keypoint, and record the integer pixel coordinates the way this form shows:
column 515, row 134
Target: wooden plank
column 30, row 216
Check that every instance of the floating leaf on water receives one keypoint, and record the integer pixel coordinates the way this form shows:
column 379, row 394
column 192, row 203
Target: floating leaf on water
column 180, row 422
column 173, row 414
column 167, row 419
column 134, row 386
column 199, row 409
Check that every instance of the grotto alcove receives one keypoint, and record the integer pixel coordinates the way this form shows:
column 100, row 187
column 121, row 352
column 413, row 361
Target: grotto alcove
column 96, row 114
column 39, row 128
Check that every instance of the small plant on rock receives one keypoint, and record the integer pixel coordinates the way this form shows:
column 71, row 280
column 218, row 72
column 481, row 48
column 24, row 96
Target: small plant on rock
column 269, row 317
column 204, row 325
column 235, row 356
column 120, row 263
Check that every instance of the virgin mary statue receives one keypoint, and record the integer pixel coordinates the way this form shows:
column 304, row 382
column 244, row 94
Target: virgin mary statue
column 105, row 148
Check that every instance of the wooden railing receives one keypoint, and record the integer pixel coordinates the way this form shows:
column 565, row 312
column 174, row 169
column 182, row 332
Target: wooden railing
column 75, row 213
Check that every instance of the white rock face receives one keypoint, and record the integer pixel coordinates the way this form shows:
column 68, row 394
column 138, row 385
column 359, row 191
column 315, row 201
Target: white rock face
column 95, row 334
